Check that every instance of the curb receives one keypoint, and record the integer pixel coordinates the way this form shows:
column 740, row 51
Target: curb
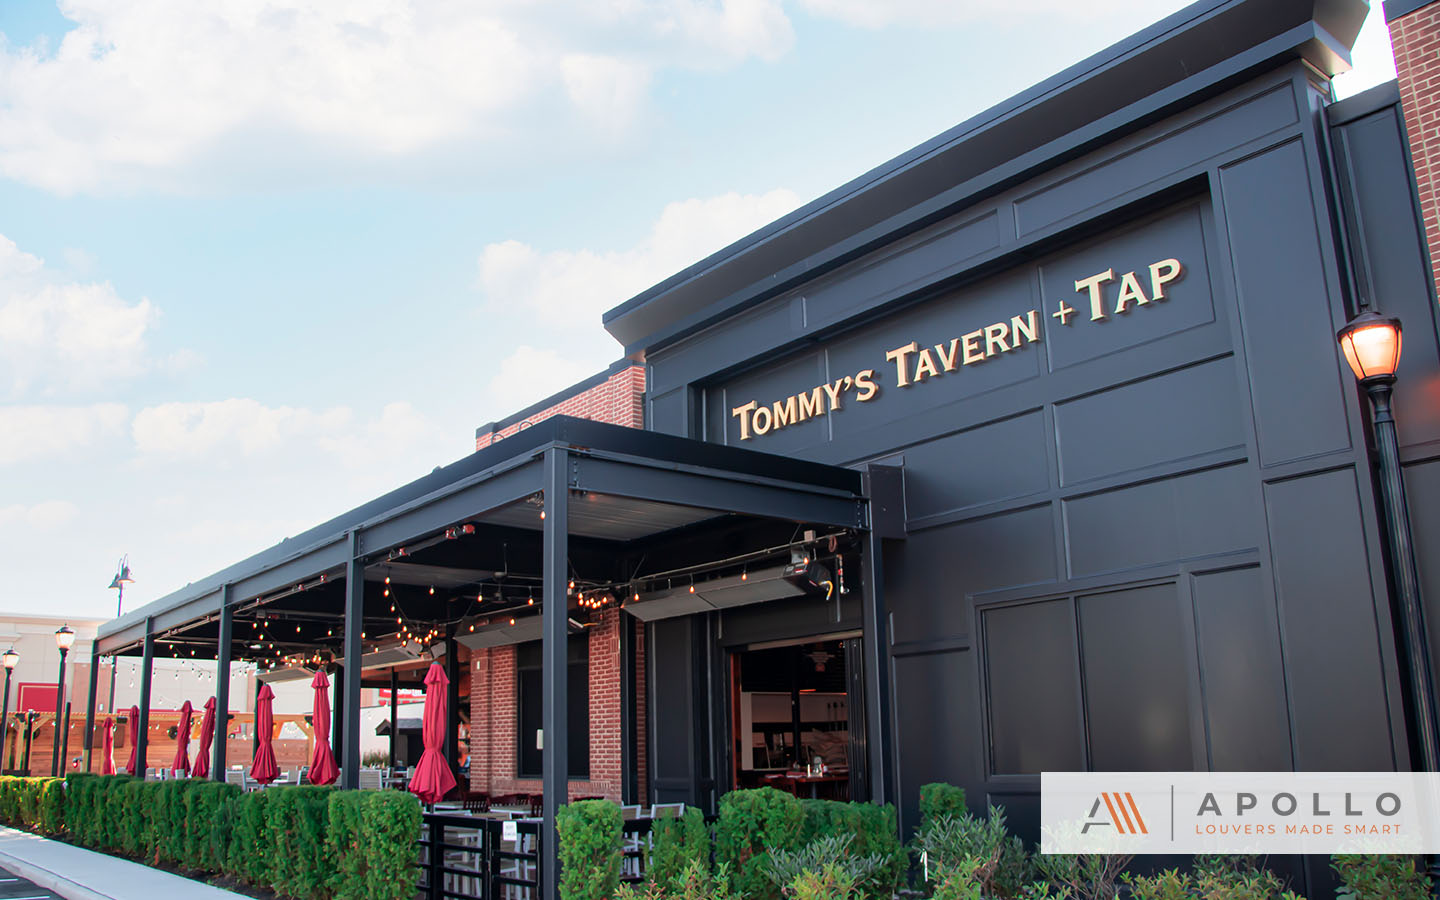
column 49, row 880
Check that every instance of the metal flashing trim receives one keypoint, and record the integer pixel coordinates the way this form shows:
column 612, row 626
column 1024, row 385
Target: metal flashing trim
column 1394, row 9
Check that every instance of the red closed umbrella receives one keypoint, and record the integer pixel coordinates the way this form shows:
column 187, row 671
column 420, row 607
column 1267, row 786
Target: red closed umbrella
column 433, row 779
column 182, row 739
column 264, row 769
column 207, row 735
column 107, row 752
column 322, row 762
column 132, row 732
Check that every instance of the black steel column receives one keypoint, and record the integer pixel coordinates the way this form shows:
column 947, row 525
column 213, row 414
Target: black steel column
column 349, row 744
column 223, row 644
column 90, row 703
column 876, row 639
column 394, row 711
column 452, row 704
column 629, row 740
column 555, row 754
column 142, row 728
column 337, row 715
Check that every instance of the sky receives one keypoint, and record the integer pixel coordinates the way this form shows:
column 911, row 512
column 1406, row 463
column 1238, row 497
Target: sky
column 263, row 260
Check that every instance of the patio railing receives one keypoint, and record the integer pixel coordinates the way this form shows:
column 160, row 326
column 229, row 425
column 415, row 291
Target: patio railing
column 465, row 857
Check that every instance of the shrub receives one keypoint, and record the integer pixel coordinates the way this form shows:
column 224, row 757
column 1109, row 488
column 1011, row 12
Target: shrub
column 695, row 882
column 1214, row 878
column 983, row 847
column 751, row 824
column 941, row 801
column 390, row 826
column 249, row 856
column 824, row 855
column 301, row 860
column 874, row 831
column 589, row 834
column 1374, row 877
column 674, row 845
column 372, row 836
column 51, row 804
column 375, row 758
column 208, row 808
column 832, row 882
column 1087, row 877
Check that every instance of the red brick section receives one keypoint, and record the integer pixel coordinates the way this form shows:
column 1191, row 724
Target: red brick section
column 618, row 401
column 494, row 754
column 1416, row 39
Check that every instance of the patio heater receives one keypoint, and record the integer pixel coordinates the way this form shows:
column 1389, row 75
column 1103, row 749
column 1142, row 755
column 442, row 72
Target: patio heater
column 9, row 659
column 64, row 639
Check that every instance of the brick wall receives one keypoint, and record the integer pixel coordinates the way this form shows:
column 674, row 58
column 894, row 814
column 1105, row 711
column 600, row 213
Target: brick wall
column 618, row 400
column 1415, row 37
column 494, row 695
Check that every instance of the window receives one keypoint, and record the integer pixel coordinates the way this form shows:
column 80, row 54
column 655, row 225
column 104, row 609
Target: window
column 531, row 706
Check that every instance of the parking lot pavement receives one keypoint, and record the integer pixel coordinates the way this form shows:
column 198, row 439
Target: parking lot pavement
column 13, row 887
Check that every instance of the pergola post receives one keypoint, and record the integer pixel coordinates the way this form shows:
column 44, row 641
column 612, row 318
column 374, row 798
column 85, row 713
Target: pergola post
column 222, row 684
column 90, row 701
column 876, row 647
column 555, row 752
column 452, row 704
column 394, row 710
column 337, row 714
column 349, row 744
column 142, row 729
column 629, row 774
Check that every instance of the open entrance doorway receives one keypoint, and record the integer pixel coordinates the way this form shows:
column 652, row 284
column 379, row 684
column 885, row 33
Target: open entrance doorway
column 795, row 713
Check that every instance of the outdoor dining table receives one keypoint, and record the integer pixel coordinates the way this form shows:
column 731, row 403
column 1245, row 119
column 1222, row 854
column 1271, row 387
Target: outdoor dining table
column 835, row 780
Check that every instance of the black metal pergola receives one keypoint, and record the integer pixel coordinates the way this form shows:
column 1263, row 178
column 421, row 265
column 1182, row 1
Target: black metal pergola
column 539, row 519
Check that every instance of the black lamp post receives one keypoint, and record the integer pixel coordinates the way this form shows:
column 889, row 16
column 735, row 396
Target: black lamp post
column 30, row 716
column 1371, row 343
column 9, row 658
column 64, row 638
column 122, row 578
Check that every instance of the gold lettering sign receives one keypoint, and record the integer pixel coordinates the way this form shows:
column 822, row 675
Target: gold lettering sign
column 915, row 364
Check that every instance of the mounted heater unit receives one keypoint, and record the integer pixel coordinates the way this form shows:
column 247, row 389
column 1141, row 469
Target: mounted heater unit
column 289, row 673
column 389, row 656
column 503, row 634
column 798, row 579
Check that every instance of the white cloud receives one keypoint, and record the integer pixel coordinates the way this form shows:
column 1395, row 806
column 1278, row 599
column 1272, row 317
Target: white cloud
column 529, row 375
column 46, row 516
column 873, row 14
column 43, row 433
column 57, row 334
column 573, row 287
column 236, row 426
column 141, row 89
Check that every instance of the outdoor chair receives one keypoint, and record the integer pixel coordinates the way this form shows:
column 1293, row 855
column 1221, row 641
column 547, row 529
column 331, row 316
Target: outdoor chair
column 369, row 779
column 667, row 810
column 630, row 865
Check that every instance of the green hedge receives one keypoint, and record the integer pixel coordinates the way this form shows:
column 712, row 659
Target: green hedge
column 307, row 842
column 676, row 845
column 590, row 849
column 941, row 801
column 751, row 824
column 874, row 830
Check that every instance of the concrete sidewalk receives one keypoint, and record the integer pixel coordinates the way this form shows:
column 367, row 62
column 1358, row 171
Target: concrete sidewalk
column 79, row 874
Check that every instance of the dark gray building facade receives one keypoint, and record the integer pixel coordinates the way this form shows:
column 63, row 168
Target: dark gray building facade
column 1094, row 327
